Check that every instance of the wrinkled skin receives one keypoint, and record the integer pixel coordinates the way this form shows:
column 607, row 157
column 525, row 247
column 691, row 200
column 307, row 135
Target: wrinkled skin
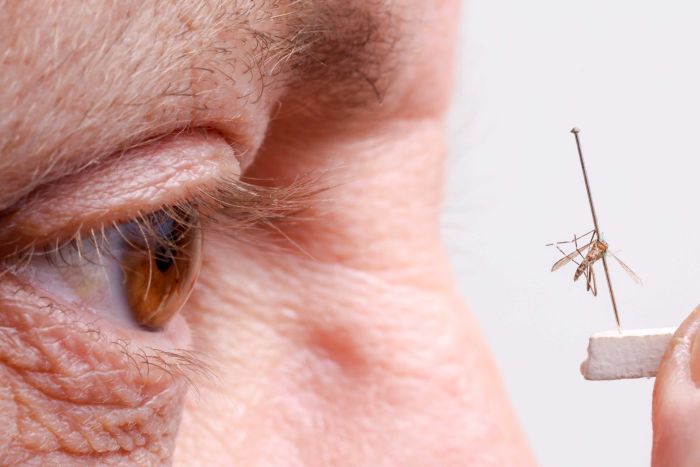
column 351, row 347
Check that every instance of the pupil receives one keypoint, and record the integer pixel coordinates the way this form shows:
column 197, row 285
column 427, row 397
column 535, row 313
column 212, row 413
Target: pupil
column 171, row 233
column 164, row 258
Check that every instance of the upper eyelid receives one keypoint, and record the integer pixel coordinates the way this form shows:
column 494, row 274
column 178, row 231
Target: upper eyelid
column 150, row 177
column 229, row 204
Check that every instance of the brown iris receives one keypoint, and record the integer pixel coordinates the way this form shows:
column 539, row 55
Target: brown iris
column 160, row 265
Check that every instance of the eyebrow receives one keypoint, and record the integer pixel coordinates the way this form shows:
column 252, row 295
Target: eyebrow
column 347, row 45
column 128, row 76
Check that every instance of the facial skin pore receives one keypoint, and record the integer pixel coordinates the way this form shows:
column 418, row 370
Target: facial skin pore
column 347, row 346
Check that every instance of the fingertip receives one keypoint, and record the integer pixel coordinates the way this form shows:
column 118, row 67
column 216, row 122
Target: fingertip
column 676, row 399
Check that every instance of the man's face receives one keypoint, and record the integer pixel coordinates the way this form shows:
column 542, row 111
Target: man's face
column 219, row 226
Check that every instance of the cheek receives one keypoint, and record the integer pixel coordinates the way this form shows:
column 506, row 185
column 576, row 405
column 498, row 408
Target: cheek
column 66, row 391
column 316, row 359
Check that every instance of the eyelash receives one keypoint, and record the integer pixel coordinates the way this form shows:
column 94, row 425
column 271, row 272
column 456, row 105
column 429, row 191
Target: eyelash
column 231, row 206
column 62, row 252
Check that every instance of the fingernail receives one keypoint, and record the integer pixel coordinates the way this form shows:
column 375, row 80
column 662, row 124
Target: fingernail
column 695, row 358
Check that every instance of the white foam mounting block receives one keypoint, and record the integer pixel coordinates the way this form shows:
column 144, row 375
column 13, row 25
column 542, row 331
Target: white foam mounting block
column 627, row 354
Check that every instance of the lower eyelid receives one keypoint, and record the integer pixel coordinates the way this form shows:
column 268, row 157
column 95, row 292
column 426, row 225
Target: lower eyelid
column 76, row 390
column 174, row 337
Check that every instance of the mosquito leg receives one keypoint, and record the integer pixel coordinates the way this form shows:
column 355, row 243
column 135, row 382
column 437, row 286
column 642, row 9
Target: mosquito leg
column 576, row 245
column 592, row 233
column 574, row 240
column 565, row 254
column 587, row 274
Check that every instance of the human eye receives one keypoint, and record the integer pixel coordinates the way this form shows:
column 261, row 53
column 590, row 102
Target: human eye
column 120, row 245
column 139, row 272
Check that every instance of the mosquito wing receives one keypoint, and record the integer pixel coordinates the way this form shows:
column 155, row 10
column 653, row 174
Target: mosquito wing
column 566, row 259
column 627, row 269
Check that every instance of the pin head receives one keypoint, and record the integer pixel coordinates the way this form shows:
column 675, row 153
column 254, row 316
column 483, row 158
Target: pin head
column 575, row 130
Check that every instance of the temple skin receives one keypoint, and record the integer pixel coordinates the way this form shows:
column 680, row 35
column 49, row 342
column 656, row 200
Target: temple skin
column 349, row 346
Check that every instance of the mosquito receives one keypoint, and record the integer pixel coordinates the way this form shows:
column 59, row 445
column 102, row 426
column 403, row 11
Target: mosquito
column 593, row 250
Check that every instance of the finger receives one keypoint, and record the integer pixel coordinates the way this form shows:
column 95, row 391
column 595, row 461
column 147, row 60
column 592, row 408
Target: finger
column 676, row 404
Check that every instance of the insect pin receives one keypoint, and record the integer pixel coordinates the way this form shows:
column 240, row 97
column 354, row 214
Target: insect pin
column 594, row 249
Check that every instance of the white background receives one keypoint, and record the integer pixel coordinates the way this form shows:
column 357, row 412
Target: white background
column 628, row 74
